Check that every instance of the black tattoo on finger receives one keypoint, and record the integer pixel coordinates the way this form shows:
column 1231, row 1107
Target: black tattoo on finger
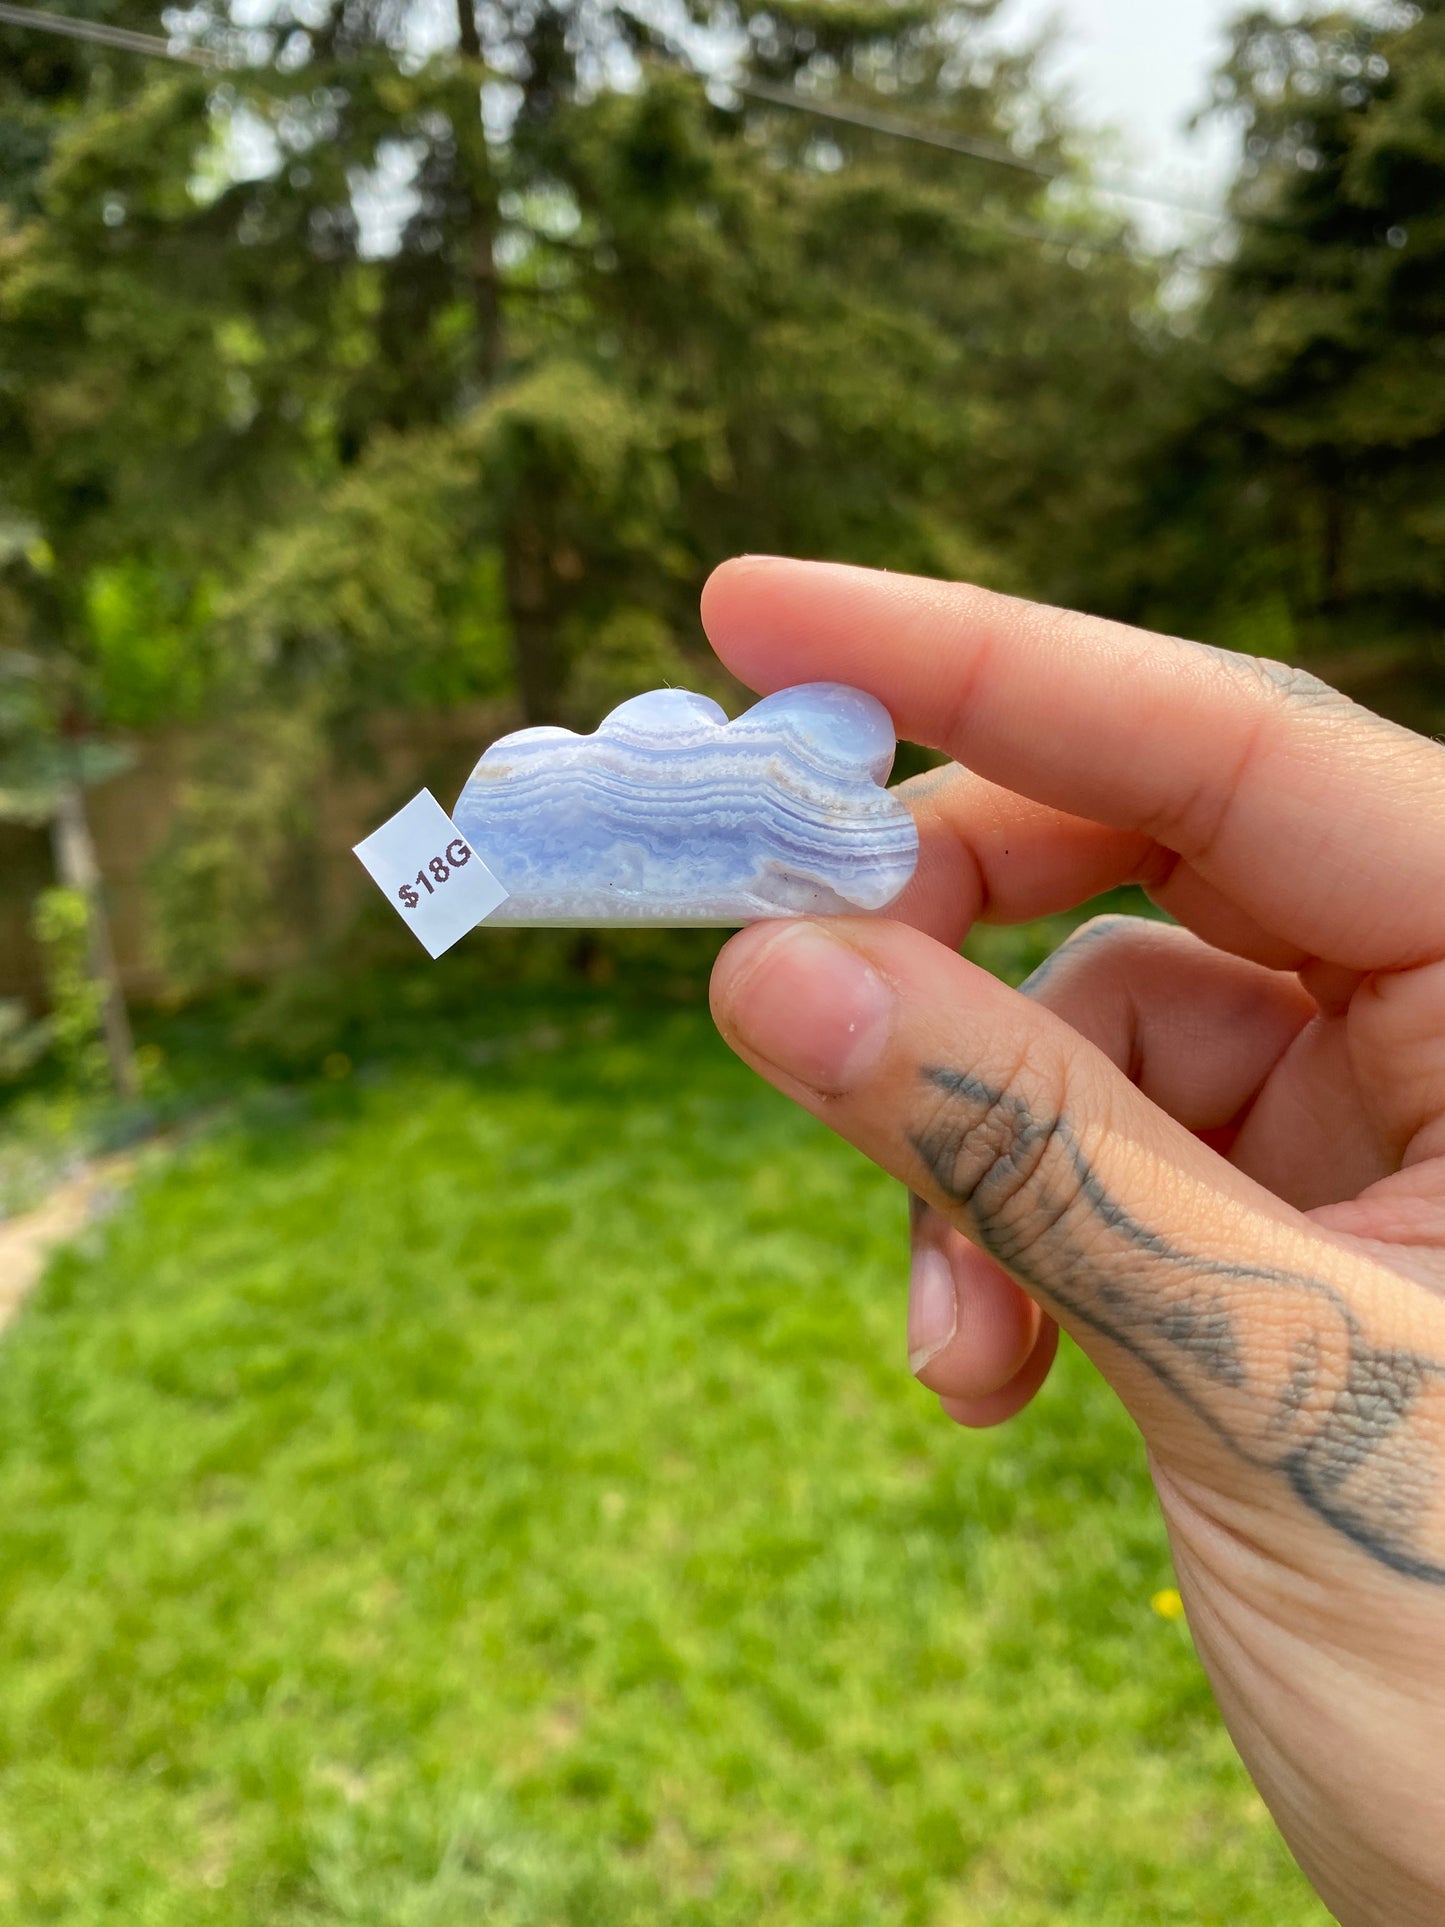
column 1354, row 1427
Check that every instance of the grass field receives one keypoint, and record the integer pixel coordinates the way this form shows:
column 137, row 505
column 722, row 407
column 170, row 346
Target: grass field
column 482, row 1485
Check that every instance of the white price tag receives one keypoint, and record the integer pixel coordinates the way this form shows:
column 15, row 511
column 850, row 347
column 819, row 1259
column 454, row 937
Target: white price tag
column 432, row 876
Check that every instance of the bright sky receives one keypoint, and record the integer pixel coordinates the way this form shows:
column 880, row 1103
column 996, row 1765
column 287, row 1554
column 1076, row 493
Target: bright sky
column 1142, row 67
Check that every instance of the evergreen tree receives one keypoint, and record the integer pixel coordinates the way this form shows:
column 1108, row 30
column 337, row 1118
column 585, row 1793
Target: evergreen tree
column 1294, row 505
column 424, row 373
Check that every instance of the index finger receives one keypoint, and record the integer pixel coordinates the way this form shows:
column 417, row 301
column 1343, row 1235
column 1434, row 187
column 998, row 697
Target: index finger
column 1322, row 822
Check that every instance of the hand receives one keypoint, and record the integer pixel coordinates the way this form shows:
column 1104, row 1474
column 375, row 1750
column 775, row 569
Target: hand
column 1215, row 1154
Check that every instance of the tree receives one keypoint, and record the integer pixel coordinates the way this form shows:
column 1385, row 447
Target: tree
column 50, row 751
column 46, row 765
column 1293, row 502
column 454, row 371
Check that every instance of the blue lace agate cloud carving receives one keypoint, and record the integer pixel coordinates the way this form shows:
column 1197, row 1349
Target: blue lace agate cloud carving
column 670, row 814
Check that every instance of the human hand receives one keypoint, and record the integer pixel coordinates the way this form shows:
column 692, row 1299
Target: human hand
column 1215, row 1154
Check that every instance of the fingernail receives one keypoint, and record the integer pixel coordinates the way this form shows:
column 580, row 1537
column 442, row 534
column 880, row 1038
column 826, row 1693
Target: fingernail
column 746, row 564
column 809, row 1004
column 932, row 1306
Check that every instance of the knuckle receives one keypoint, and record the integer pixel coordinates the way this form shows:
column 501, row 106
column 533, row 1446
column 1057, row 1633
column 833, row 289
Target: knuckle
column 1099, row 945
column 1102, row 941
column 1285, row 680
column 1001, row 1157
column 1111, row 927
column 1274, row 704
column 1294, row 684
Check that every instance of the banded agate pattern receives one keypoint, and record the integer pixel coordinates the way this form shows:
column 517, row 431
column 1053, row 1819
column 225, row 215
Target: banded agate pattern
column 670, row 814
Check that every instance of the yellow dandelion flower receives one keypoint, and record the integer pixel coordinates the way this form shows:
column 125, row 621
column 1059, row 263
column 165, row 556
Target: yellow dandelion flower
column 1168, row 1604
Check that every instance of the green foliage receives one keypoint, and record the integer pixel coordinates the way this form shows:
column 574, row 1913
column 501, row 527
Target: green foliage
column 44, row 82
column 23, row 1040
column 330, row 397
column 38, row 758
column 237, row 879
column 77, row 1001
column 150, row 636
column 483, row 1484
column 36, row 767
column 1291, row 503
column 293, row 443
column 372, row 598
column 630, row 649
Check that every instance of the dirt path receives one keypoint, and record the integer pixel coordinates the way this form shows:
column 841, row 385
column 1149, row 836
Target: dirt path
column 27, row 1241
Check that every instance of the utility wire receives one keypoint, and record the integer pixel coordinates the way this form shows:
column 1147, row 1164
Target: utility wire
column 897, row 128
column 890, row 125
column 103, row 36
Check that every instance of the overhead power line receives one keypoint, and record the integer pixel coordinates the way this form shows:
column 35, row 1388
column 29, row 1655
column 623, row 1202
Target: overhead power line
column 121, row 38
column 896, row 128
column 892, row 126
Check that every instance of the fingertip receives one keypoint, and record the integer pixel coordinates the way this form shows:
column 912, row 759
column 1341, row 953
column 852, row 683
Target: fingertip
column 770, row 617
column 731, row 968
column 806, row 1006
column 736, row 567
column 983, row 1338
column 729, row 609
column 996, row 1408
column 732, row 964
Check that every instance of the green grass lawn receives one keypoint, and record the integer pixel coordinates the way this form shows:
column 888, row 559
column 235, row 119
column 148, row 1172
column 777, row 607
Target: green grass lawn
column 485, row 1487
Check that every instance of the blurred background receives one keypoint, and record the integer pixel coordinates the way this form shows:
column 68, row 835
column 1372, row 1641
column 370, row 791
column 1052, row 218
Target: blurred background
column 456, row 1457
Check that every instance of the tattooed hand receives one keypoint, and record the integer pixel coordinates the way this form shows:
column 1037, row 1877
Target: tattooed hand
column 1214, row 1153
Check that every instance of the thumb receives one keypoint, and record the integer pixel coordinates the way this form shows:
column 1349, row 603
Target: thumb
column 1271, row 1363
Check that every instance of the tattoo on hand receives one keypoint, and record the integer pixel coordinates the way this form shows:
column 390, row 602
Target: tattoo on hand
column 1355, row 1427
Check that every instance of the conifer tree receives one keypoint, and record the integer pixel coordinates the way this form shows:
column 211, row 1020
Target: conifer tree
column 423, row 370
column 1294, row 505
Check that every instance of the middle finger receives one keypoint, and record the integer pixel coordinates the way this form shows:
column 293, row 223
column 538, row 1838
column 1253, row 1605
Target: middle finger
column 985, row 854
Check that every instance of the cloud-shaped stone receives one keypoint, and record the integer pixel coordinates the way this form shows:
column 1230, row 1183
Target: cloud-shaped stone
column 670, row 814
